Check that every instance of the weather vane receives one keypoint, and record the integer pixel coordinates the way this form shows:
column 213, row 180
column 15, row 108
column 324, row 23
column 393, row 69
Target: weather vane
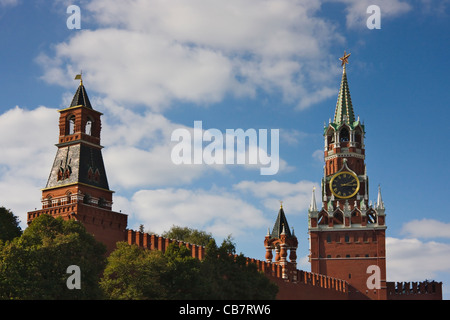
column 344, row 59
column 80, row 77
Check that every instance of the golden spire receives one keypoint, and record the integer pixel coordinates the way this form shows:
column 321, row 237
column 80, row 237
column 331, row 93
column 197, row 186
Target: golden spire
column 344, row 106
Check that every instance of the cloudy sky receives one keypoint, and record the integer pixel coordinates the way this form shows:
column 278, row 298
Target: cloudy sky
column 154, row 66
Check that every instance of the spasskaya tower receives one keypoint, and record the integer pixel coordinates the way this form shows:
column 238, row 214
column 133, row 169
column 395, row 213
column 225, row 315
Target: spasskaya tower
column 347, row 234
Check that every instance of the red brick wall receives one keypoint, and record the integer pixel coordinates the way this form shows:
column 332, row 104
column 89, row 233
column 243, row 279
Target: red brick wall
column 298, row 284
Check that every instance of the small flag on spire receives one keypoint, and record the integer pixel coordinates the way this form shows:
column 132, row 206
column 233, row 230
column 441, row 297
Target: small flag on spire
column 79, row 77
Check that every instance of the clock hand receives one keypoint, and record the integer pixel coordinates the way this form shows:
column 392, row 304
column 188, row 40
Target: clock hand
column 348, row 185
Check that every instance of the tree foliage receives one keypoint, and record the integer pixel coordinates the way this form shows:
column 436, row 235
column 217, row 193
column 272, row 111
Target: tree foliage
column 9, row 225
column 34, row 266
column 137, row 273
column 229, row 276
column 133, row 273
column 200, row 238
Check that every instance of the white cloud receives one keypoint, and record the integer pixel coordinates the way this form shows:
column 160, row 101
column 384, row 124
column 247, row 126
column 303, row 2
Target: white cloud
column 156, row 70
column 219, row 212
column 426, row 228
column 227, row 26
column 292, row 137
column 138, row 150
column 296, row 197
column 414, row 260
column 199, row 51
column 26, row 156
column 318, row 155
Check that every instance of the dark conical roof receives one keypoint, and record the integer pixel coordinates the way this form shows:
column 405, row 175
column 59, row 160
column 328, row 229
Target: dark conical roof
column 81, row 98
column 281, row 225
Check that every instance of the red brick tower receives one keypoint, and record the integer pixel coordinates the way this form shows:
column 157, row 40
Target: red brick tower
column 282, row 240
column 347, row 236
column 77, row 187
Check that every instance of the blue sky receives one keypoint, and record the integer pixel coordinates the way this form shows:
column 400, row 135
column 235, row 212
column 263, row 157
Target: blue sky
column 155, row 66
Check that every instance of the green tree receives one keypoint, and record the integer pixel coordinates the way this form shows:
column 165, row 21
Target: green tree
column 134, row 273
column 9, row 225
column 228, row 276
column 189, row 235
column 137, row 273
column 34, row 266
column 182, row 276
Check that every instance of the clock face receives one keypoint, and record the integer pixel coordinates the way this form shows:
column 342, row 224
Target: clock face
column 344, row 185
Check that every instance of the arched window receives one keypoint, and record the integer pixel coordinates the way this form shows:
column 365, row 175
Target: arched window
column 49, row 201
column 330, row 137
column 69, row 196
column 344, row 135
column 88, row 127
column 71, row 125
